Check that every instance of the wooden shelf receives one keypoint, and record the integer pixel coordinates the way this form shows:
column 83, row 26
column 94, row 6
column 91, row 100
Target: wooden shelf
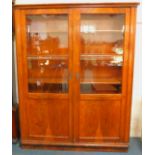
column 107, row 59
column 102, row 31
column 51, row 57
column 55, row 80
column 100, row 56
column 82, row 56
column 101, row 81
column 49, row 32
column 82, row 81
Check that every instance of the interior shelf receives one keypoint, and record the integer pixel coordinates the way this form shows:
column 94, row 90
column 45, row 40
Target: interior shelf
column 48, row 32
column 102, row 31
column 47, row 80
column 82, row 81
column 100, row 56
column 85, row 32
column 83, row 56
column 56, row 57
column 101, row 81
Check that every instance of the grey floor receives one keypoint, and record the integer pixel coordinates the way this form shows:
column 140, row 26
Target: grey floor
column 134, row 149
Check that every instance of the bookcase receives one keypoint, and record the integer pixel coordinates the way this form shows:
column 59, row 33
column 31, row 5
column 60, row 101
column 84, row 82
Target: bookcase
column 75, row 69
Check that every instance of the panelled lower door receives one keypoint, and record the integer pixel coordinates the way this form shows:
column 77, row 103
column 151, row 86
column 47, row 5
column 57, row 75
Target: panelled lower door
column 100, row 74
column 46, row 59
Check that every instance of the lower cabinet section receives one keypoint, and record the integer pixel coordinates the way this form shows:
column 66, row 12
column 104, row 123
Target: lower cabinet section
column 49, row 120
column 99, row 121
column 98, row 125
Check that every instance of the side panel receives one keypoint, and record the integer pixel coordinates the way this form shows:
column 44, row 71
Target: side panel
column 19, row 52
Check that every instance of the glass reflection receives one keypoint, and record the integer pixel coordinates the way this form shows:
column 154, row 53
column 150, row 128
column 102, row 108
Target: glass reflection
column 47, row 46
column 101, row 56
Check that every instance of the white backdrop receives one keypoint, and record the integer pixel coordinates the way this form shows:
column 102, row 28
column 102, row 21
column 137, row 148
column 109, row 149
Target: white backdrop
column 137, row 83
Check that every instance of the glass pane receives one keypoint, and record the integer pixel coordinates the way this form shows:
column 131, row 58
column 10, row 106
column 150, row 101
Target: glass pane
column 101, row 57
column 47, row 53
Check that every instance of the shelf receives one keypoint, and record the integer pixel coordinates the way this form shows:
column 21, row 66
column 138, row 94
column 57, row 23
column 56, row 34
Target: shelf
column 83, row 56
column 50, row 32
column 101, row 55
column 86, row 32
column 82, row 81
column 102, row 31
column 101, row 81
column 106, row 60
column 103, row 64
column 49, row 57
column 47, row 80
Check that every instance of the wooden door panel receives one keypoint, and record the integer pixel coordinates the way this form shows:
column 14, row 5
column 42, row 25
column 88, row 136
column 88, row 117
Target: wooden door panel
column 100, row 62
column 99, row 120
column 46, row 112
column 46, row 120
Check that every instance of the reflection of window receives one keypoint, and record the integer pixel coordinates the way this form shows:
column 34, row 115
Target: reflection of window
column 88, row 28
column 47, row 34
column 117, row 60
column 43, row 36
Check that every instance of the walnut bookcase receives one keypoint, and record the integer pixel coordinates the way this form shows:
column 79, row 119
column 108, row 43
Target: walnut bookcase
column 75, row 69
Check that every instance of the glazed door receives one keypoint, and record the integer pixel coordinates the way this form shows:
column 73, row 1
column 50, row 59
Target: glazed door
column 100, row 74
column 46, row 67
